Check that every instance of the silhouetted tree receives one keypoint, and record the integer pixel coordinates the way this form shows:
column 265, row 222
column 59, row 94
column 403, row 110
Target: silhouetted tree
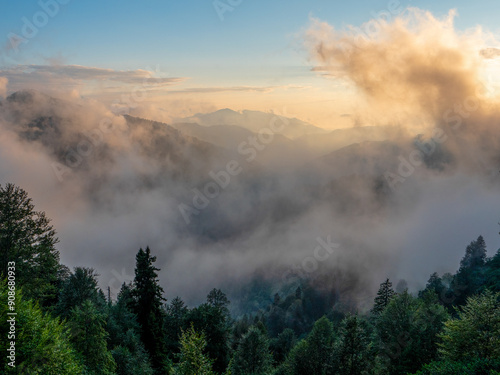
column 147, row 304
column 252, row 356
column 213, row 319
column 314, row 355
column 28, row 239
column 384, row 296
column 470, row 276
column 353, row 349
column 79, row 287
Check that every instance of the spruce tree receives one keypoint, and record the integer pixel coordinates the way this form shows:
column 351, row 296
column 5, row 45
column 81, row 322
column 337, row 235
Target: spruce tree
column 384, row 296
column 89, row 339
column 253, row 356
column 353, row 347
column 79, row 287
column 175, row 319
column 147, row 304
column 213, row 318
column 314, row 354
column 124, row 339
column 470, row 277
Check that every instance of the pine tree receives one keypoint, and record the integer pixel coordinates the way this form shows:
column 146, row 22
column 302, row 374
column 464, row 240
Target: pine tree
column 434, row 284
column 175, row 321
column 283, row 344
column 147, row 304
column 79, row 287
column 213, row 319
column 314, row 355
column 192, row 359
column 28, row 239
column 492, row 274
column 89, row 339
column 384, row 296
column 406, row 332
column 253, row 356
column 218, row 299
column 470, row 277
column 124, row 337
column 353, row 347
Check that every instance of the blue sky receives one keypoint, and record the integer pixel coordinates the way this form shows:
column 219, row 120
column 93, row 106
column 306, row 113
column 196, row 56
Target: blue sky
column 189, row 36
column 256, row 44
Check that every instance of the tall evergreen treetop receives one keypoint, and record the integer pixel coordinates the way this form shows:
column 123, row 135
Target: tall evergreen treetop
column 79, row 287
column 475, row 254
column 384, row 296
column 147, row 304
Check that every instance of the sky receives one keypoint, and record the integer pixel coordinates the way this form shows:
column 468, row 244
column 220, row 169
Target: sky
column 229, row 53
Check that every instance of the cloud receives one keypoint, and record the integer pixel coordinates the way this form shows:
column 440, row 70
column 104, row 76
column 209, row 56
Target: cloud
column 418, row 57
column 68, row 78
column 3, row 86
column 264, row 89
column 90, row 73
column 490, row 53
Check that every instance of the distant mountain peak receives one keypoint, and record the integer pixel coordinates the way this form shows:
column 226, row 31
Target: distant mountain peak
column 254, row 121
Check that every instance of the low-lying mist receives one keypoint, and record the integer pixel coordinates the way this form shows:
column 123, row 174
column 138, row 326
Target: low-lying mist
column 402, row 199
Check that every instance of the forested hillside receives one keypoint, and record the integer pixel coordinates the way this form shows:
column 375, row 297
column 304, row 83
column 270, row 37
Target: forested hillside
column 65, row 324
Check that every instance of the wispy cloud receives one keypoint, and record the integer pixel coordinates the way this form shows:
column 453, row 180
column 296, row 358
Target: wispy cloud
column 86, row 73
column 71, row 77
column 264, row 89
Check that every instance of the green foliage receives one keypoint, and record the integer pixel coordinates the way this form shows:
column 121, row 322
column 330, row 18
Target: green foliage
column 283, row 344
column 217, row 299
column 214, row 322
column 476, row 331
column 28, row 239
column 124, row 337
column 240, row 327
column 492, row 273
column 384, row 296
column 406, row 332
column 252, row 356
column 470, row 276
column 88, row 336
column 470, row 367
column 353, row 348
column 131, row 359
column 42, row 343
column 192, row 359
column 175, row 321
column 147, row 303
column 313, row 355
column 79, row 287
